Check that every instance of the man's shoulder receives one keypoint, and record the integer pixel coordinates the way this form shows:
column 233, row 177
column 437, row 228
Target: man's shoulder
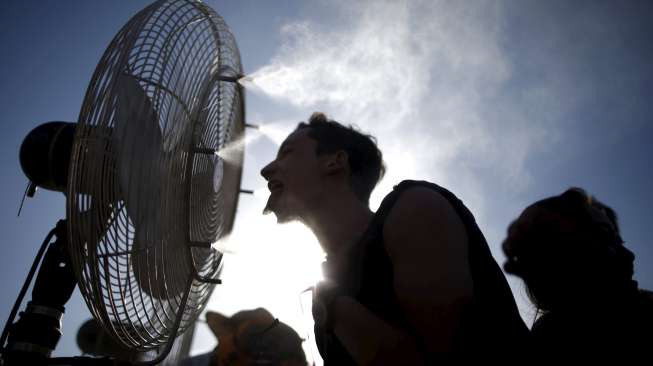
column 413, row 194
column 410, row 183
column 418, row 213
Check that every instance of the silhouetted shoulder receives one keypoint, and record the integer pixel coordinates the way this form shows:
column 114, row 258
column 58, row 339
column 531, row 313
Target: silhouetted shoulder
column 418, row 213
column 420, row 197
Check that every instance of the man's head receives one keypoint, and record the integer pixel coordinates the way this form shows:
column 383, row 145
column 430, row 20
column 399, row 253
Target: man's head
column 317, row 159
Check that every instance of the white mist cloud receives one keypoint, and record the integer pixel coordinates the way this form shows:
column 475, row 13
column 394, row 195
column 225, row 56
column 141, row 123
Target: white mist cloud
column 425, row 77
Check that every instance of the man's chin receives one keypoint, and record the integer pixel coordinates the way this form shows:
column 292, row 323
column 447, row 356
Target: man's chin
column 282, row 218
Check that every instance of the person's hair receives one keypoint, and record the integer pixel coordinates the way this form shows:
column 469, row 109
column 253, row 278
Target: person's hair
column 365, row 160
column 258, row 335
column 572, row 239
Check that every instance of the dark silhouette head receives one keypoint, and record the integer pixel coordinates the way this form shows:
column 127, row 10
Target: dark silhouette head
column 568, row 250
column 365, row 159
column 254, row 337
column 321, row 161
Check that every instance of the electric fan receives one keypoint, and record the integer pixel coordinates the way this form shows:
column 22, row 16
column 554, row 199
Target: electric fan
column 147, row 192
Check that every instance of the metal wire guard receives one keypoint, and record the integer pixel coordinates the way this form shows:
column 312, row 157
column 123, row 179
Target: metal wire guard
column 146, row 196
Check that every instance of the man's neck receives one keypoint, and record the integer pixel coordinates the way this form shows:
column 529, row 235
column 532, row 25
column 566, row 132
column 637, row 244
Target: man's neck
column 339, row 222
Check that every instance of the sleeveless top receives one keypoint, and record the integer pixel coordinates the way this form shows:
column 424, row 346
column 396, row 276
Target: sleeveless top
column 490, row 325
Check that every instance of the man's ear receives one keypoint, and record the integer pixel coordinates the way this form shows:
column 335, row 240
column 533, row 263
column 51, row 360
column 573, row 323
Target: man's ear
column 337, row 162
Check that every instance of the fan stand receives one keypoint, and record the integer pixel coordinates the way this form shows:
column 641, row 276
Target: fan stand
column 35, row 335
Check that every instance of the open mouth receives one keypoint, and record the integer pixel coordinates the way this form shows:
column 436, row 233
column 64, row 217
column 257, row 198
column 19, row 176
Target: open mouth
column 275, row 186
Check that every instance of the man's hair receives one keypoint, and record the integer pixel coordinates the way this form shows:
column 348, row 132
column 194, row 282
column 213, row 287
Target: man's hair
column 364, row 157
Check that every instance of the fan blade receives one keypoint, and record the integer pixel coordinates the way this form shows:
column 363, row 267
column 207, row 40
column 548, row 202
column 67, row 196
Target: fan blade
column 138, row 140
column 159, row 262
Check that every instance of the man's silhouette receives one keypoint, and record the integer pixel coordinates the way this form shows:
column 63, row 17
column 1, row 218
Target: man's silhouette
column 404, row 285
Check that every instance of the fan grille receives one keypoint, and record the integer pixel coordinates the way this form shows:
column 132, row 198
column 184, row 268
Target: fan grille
column 146, row 195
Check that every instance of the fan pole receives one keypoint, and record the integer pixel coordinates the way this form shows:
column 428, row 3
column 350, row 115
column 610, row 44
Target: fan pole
column 35, row 335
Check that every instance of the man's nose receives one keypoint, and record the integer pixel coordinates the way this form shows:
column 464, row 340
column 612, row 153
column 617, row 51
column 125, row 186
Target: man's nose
column 267, row 170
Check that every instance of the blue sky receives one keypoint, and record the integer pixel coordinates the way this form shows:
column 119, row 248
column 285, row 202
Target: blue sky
column 502, row 102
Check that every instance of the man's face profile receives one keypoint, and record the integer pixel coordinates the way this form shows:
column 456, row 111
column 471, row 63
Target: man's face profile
column 294, row 177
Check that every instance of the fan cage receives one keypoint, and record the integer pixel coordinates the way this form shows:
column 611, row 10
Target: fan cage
column 147, row 278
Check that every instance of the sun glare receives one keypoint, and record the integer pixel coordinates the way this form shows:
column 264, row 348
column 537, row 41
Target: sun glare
column 268, row 266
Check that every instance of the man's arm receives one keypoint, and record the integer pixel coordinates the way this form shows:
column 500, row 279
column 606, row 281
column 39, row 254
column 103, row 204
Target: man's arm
column 427, row 244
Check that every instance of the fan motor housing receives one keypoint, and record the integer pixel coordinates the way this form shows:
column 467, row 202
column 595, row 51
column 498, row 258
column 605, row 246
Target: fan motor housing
column 45, row 154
